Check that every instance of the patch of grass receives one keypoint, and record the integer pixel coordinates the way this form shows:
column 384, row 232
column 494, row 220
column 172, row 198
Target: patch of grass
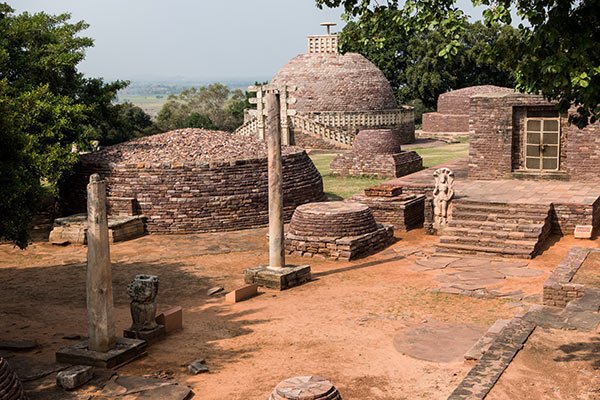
column 338, row 187
column 433, row 156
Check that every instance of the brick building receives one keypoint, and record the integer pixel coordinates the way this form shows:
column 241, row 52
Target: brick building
column 515, row 135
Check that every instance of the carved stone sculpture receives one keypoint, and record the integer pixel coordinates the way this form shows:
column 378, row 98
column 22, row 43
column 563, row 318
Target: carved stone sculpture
column 143, row 290
column 443, row 193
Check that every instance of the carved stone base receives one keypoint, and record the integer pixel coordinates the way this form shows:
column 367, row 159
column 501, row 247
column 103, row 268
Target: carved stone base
column 150, row 336
column 278, row 278
column 125, row 350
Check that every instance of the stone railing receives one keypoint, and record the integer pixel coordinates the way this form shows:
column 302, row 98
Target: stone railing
column 306, row 125
column 386, row 118
column 316, row 128
column 249, row 128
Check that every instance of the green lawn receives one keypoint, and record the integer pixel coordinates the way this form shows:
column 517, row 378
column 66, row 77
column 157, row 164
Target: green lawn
column 337, row 187
column 433, row 156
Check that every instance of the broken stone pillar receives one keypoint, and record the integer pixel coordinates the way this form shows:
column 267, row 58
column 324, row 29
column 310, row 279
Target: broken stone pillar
column 102, row 348
column 276, row 245
column 276, row 275
column 305, row 387
column 101, row 325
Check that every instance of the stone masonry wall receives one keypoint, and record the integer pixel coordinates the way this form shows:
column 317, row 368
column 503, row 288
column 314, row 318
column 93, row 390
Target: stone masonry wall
column 379, row 165
column 558, row 288
column 436, row 122
column 200, row 197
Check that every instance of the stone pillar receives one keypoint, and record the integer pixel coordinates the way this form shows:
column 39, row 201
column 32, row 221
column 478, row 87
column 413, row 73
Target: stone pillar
column 101, row 325
column 276, row 239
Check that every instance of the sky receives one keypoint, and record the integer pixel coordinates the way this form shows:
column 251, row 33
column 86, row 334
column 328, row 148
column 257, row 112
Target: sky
column 207, row 40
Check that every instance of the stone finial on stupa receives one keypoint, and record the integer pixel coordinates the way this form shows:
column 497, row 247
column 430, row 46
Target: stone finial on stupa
column 323, row 43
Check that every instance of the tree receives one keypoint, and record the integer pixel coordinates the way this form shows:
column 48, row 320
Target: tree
column 412, row 63
column 46, row 106
column 212, row 107
column 555, row 52
column 122, row 122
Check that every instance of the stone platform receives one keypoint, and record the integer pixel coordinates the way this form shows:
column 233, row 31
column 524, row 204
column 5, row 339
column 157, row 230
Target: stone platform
column 72, row 229
column 150, row 336
column 336, row 230
column 573, row 202
column 124, row 351
column 278, row 278
column 377, row 152
column 402, row 211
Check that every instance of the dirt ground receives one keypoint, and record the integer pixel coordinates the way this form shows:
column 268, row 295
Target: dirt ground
column 574, row 358
column 346, row 325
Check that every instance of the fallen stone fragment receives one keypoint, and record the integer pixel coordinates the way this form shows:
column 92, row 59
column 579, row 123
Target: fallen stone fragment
column 214, row 290
column 17, row 344
column 172, row 319
column 242, row 293
column 74, row 377
column 72, row 337
column 197, row 367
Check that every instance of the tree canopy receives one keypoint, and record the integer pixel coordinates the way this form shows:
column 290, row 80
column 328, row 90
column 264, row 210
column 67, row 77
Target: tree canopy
column 46, row 106
column 412, row 63
column 554, row 52
column 211, row 107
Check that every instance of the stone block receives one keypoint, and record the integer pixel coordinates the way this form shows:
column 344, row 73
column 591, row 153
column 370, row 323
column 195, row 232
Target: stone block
column 74, row 377
column 583, row 231
column 150, row 336
column 241, row 294
column 280, row 278
column 125, row 350
column 172, row 319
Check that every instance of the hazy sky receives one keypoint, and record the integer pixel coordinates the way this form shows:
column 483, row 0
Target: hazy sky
column 192, row 39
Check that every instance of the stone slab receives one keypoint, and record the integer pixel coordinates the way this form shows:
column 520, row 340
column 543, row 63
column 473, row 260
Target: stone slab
column 280, row 279
column 172, row 319
column 150, row 336
column 74, row 377
column 583, row 231
column 78, row 354
column 18, row 344
column 241, row 294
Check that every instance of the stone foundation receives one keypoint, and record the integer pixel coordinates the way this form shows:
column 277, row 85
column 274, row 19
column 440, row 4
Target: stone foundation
column 403, row 212
column 379, row 165
column 343, row 248
column 278, row 278
column 336, row 230
column 73, row 229
column 558, row 288
column 377, row 152
column 192, row 180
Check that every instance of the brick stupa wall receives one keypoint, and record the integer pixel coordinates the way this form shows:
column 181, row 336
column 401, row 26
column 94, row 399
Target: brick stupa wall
column 194, row 180
column 452, row 116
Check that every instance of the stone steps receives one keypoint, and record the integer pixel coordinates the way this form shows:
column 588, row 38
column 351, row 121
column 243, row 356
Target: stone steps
column 508, row 230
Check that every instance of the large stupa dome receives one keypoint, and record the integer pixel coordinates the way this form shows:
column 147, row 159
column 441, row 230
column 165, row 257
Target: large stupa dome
column 336, row 82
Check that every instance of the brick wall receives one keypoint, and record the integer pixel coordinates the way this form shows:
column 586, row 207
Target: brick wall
column 558, row 288
column 436, row 122
column 583, row 151
column 379, row 165
column 188, row 197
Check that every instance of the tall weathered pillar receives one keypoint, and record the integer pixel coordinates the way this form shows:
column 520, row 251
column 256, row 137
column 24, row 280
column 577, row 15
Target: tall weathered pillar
column 276, row 244
column 276, row 275
column 101, row 325
column 102, row 348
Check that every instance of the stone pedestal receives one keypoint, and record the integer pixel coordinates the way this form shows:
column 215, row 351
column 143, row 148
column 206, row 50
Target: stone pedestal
column 278, row 278
column 150, row 336
column 79, row 354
